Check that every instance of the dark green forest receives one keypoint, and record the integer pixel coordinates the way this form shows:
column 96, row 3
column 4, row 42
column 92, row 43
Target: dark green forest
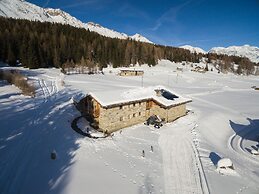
column 36, row 44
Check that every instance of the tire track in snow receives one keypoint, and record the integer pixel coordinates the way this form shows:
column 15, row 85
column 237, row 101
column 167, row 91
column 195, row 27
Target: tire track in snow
column 235, row 144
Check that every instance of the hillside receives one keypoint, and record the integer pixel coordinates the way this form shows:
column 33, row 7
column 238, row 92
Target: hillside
column 193, row 49
column 21, row 9
column 251, row 52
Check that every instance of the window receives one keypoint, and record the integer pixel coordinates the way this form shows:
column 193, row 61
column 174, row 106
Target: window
column 120, row 107
column 121, row 118
column 139, row 103
column 134, row 115
column 139, row 113
column 134, row 104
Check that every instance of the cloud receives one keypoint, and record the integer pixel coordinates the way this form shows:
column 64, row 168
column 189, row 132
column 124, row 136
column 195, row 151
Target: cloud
column 170, row 15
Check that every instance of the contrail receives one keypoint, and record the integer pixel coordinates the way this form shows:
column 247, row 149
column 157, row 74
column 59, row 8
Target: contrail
column 46, row 3
column 215, row 39
column 78, row 4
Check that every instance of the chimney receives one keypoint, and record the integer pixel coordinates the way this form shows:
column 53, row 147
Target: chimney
column 158, row 92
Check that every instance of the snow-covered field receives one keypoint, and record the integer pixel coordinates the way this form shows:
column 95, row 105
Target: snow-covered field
column 223, row 122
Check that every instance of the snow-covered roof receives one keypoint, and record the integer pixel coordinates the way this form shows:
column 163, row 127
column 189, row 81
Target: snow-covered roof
column 115, row 97
column 224, row 162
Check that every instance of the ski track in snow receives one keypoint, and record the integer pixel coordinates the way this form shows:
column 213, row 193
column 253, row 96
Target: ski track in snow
column 48, row 90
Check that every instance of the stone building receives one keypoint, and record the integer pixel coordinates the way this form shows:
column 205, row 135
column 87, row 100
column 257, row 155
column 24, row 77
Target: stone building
column 131, row 72
column 112, row 110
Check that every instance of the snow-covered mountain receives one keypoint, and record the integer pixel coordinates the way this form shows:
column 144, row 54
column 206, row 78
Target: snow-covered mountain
column 248, row 51
column 193, row 49
column 25, row 10
column 140, row 38
column 105, row 31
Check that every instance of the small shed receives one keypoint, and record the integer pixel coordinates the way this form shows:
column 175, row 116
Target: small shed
column 131, row 72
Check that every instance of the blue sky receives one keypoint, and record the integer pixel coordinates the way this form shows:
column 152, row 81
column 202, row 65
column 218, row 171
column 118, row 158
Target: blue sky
column 202, row 23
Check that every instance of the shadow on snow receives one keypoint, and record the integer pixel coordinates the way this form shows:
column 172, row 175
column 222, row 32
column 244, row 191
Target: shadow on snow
column 249, row 132
column 214, row 157
column 27, row 138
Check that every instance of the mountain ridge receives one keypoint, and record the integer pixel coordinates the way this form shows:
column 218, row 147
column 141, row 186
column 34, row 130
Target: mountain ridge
column 251, row 52
column 22, row 9
column 193, row 49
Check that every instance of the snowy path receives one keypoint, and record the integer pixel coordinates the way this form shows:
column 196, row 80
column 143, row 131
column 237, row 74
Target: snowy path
column 182, row 170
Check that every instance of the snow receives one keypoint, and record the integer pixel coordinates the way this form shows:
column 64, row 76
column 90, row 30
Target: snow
column 140, row 38
column 105, row 31
column 107, row 98
column 224, row 163
column 193, row 49
column 222, row 122
column 251, row 52
column 25, row 10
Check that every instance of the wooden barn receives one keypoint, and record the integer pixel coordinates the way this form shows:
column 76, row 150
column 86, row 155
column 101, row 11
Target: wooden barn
column 112, row 110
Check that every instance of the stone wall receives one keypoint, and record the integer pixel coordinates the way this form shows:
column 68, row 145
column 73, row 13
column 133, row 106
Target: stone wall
column 169, row 114
column 157, row 110
column 176, row 112
column 115, row 118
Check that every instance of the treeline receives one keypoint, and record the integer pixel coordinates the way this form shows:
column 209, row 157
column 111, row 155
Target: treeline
column 37, row 44
column 227, row 63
